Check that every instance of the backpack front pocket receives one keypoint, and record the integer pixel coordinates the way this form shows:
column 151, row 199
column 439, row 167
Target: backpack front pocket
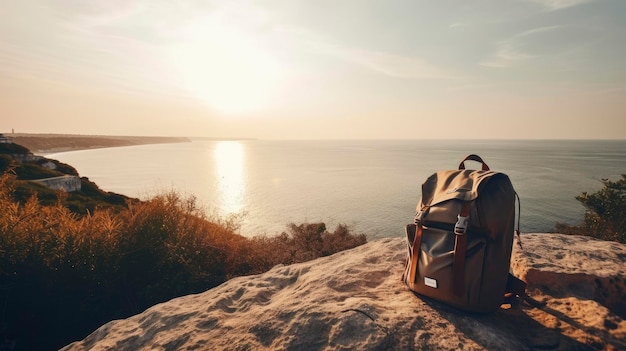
column 434, row 276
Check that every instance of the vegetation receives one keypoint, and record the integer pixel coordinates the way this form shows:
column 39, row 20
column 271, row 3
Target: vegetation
column 80, row 202
column 63, row 274
column 71, row 262
column 605, row 215
column 12, row 148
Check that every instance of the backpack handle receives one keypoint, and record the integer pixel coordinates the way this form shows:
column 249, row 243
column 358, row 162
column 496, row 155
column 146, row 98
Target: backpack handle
column 476, row 158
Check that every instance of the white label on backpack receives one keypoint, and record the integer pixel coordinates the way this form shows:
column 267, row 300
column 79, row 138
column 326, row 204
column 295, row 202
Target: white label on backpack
column 430, row 282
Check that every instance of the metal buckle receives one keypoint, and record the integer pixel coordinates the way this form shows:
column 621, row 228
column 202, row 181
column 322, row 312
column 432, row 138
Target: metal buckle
column 419, row 216
column 461, row 225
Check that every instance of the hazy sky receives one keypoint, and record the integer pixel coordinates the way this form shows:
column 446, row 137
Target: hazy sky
column 312, row 69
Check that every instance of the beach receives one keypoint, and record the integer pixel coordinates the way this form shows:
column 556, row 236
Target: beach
column 49, row 143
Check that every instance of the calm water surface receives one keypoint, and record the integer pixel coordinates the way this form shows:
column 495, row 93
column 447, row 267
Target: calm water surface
column 372, row 186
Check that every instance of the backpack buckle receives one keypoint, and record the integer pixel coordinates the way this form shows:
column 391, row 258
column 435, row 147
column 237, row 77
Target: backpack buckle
column 419, row 216
column 461, row 225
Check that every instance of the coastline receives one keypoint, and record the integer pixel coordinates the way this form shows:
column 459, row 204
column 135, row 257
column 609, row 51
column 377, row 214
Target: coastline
column 279, row 182
column 53, row 143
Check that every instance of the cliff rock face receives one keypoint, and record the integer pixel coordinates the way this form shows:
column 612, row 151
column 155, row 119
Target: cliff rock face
column 67, row 183
column 354, row 300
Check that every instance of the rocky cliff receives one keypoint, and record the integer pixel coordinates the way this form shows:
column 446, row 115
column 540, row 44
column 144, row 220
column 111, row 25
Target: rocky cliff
column 66, row 183
column 354, row 300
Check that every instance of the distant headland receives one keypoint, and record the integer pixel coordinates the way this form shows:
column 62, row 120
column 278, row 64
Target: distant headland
column 49, row 143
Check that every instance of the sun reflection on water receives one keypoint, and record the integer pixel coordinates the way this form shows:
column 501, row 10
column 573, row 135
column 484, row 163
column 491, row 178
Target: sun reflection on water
column 229, row 159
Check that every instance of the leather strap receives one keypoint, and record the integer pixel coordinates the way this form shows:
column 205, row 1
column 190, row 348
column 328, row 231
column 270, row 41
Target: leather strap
column 476, row 158
column 460, row 247
column 516, row 287
column 415, row 254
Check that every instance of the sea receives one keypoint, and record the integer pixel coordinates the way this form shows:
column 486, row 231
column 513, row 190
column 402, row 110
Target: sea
column 372, row 186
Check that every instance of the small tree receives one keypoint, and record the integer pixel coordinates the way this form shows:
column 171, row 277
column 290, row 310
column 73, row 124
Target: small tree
column 605, row 215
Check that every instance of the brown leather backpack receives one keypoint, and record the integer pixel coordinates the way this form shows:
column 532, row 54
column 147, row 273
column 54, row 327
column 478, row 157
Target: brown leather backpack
column 459, row 248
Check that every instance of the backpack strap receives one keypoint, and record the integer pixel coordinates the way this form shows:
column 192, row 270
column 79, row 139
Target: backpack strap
column 460, row 246
column 515, row 285
column 516, row 288
column 414, row 236
column 415, row 254
column 476, row 158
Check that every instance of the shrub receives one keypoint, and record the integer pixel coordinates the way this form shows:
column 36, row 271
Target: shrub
column 81, row 202
column 64, row 274
column 605, row 215
column 304, row 242
column 11, row 148
column 30, row 171
column 6, row 163
column 61, row 167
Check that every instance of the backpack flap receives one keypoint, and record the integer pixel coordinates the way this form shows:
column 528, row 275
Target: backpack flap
column 461, row 185
column 444, row 193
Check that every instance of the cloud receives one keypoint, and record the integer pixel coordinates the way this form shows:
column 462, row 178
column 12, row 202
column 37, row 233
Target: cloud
column 119, row 45
column 386, row 63
column 512, row 51
column 536, row 31
column 389, row 64
column 457, row 25
column 507, row 55
column 554, row 5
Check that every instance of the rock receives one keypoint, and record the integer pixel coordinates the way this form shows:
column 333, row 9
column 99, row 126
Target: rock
column 584, row 280
column 562, row 265
column 67, row 183
column 354, row 300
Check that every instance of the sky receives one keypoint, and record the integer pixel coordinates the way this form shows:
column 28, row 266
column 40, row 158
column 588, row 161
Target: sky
column 315, row 69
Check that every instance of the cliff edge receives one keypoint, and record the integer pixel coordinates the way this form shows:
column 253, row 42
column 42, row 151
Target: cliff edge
column 354, row 300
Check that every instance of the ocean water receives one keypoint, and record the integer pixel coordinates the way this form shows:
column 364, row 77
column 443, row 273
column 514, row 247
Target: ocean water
column 372, row 186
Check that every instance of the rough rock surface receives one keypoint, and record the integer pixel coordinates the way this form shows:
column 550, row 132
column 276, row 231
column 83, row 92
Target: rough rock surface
column 354, row 300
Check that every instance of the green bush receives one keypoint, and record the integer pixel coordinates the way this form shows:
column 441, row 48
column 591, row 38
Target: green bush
column 89, row 198
column 6, row 163
column 605, row 215
column 61, row 167
column 30, row 171
column 82, row 202
column 64, row 274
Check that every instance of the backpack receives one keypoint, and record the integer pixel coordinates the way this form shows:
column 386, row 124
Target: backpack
column 459, row 247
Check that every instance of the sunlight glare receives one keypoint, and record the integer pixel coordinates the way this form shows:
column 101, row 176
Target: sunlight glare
column 229, row 159
column 226, row 66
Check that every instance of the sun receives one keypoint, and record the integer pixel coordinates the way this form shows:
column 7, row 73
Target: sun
column 227, row 67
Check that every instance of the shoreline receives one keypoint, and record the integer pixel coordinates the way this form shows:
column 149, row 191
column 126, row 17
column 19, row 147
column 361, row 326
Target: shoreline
column 55, row 143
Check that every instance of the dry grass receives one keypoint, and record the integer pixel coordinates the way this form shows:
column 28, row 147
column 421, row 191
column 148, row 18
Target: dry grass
column 62, row 275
